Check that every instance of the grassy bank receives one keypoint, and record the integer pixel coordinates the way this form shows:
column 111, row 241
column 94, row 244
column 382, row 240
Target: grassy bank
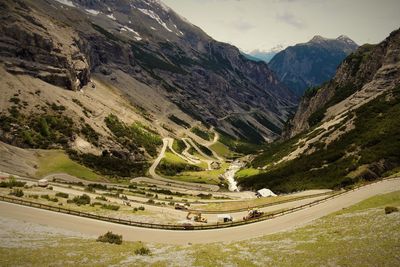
column 57, row 161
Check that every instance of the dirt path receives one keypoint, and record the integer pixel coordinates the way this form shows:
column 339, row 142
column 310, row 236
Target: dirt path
column 289, row 221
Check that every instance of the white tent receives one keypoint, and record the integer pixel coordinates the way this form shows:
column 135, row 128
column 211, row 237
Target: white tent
column 265, row 193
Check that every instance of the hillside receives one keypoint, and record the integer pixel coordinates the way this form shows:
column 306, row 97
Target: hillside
column 310, row 64
column 106, row 80
column 161, row 63
column 344, row 132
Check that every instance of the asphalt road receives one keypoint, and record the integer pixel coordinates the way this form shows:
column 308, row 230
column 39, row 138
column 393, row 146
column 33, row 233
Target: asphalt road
column 288, row 221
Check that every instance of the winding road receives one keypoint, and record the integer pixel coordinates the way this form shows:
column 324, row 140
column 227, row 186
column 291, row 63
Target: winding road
column 130, row 233
column 154, row 175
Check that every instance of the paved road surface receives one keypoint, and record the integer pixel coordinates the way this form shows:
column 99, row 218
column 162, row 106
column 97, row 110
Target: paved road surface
column 289, row 221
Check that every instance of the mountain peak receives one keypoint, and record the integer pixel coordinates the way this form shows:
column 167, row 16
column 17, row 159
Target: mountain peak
column 346, row 39
column 318, row 39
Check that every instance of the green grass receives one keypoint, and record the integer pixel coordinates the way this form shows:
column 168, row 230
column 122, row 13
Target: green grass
column 175, row 168
column 221, row 149
column 178, row 146
column 361, row 235
column 172, row 158
column 208, row 176
column 57, row 161
column 246, row 172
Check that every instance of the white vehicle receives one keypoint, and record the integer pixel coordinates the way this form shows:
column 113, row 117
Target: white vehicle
column 223, row 218
column 43, row 182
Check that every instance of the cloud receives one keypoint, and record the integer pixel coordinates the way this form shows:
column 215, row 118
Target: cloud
column 291, row 19
column 242, row 25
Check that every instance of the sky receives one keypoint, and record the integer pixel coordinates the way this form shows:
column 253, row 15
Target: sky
column 267, row 24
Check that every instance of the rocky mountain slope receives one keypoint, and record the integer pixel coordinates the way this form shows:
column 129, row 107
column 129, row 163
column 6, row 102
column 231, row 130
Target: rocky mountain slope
column 345, row 131
column 311, row 64
column 67, row 43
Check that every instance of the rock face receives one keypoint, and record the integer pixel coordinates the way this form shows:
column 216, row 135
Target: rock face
column 311, row 64
column 362, row 76
column 208, row 80
column 32, row 44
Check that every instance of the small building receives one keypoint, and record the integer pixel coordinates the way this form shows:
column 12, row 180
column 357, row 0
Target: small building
column 265, row 193
column 43, row 182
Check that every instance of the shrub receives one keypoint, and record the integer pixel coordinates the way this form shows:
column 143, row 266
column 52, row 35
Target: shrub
column 142, row 251
column 17, row 193
column 389, row 210
column 81, row 200
column 61, row 194
column 141, row 208
column 12, row 183
column 179, row 121
column 101, row 198
column 49, row 198
column 110, row 207
column 204, row 196
column 111, row 238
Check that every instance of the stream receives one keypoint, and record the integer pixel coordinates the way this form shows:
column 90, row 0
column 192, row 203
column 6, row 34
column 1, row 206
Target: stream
column 229, row 175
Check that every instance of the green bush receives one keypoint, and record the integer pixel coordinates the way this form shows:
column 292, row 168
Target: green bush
column 111, row 238
column 17, row 192
column 12, row 183
column 389, row 210
column 172, row 168
column 49, row 198
column 179, row 121
column 62, row 194
column 142, row 251
column 202, row 134
column 81, row 200
column 110, row 207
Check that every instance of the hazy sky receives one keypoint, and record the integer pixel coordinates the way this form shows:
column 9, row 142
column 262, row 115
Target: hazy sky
column 264, row 24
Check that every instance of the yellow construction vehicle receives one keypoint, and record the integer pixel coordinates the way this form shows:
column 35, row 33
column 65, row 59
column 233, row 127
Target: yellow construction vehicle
column 254, row 213
column 197, row 217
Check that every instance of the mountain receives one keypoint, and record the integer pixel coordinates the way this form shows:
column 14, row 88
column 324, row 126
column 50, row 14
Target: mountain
column 345, row 131
column 310, row 64
column 76, row 73
column 265, row 56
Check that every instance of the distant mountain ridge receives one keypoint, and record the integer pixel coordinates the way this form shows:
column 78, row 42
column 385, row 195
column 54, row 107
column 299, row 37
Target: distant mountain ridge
column 312, row 63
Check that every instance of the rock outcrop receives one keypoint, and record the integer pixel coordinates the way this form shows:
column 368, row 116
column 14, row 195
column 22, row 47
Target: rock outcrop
column 33, row 44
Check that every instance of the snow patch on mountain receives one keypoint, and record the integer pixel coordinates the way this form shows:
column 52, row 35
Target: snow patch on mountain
column 137, row 35
column 66, row 2
column 154, row 16
column 92, row 11
column 111, row 16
